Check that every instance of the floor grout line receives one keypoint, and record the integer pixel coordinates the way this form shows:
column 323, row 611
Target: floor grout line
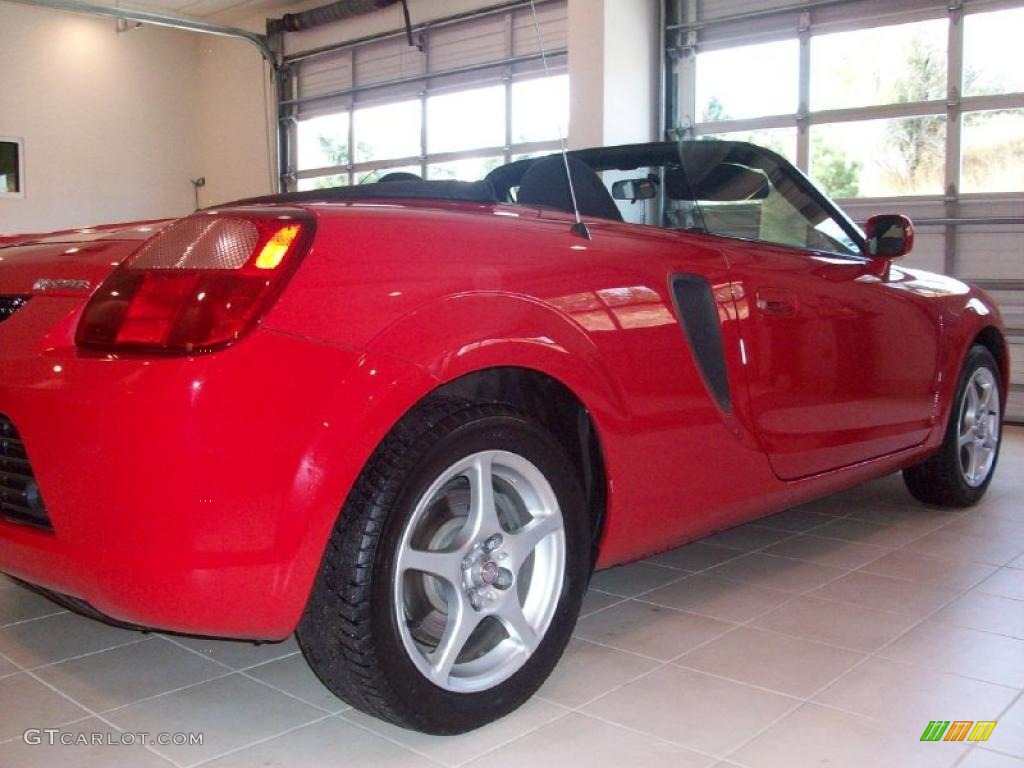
column 95, row 714
column 256, row 743
column 1006, row 709
column 857, row 665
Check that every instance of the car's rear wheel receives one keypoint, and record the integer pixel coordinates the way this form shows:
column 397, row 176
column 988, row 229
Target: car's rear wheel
column 455, row 573
column 959, row 473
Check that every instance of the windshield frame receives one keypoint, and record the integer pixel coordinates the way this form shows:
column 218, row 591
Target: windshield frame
column 631, row 157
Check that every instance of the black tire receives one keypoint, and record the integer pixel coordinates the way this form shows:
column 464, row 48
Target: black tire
column 349, row 633
column 940, row 480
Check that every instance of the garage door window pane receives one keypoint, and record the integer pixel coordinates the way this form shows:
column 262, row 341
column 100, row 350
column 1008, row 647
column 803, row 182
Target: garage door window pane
column 388, row 131
column 781, row 140
column 466, row 120
column 993, row 151
column 749, row 81
column 883, row 65
column 323, row 142
column 470, row 169
column 540, row 108
column 993, row 53
column 880, row 158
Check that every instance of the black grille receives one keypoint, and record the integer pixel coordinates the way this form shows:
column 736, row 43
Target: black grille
column 20, row 500
column 11, row 304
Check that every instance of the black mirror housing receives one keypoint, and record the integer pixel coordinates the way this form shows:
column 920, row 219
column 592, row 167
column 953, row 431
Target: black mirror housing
column 634, row 189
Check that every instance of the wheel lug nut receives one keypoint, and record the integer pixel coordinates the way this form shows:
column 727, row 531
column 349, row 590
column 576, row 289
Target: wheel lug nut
column 492, row 542
column 476, row 600
column 504, row 578
column 467, row 563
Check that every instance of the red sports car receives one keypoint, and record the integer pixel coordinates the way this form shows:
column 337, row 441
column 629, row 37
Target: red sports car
column 408, row 419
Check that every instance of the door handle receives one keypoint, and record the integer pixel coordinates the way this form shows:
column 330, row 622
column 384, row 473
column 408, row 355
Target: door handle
column 779, row 302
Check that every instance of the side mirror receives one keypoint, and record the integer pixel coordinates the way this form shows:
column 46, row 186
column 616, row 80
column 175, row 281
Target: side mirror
column 634, row 189
column 889, row 235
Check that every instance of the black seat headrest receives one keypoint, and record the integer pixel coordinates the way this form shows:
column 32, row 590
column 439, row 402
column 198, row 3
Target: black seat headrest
column 398, row 176
column 545, row 183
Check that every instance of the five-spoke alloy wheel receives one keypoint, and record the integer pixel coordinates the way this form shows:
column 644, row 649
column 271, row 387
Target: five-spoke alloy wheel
column 978, row 438
column 455, row 573
column 479, row 571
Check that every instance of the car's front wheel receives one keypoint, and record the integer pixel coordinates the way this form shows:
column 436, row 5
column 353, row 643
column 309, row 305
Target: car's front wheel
column 454, row 575
column 959, row 473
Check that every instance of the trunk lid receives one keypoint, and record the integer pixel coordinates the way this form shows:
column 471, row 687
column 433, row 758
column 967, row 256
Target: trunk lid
column 69, row 263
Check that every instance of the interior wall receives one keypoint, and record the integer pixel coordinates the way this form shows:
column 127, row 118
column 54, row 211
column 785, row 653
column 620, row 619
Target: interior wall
column 235, row 120
column 613, row 72
column 107, row 119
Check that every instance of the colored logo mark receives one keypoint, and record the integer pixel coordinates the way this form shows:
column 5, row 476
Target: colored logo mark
column 958, row 730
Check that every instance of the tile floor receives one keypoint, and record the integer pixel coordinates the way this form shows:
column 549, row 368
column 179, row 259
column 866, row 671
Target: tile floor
column 825, row 635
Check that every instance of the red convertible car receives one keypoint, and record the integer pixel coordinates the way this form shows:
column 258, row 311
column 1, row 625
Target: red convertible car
column 408, row 419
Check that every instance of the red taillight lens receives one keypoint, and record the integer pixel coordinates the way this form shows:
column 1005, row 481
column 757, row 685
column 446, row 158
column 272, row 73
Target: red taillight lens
column 198, row 285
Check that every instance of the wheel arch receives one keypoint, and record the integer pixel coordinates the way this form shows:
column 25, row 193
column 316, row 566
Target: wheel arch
column 559, row 410
column 994, row 341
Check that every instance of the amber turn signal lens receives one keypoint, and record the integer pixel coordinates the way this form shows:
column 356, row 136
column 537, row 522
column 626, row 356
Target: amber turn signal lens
column 277, row 246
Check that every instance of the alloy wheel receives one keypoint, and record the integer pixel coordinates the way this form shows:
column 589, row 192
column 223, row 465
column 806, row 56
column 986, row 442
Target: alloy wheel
column 479, row 571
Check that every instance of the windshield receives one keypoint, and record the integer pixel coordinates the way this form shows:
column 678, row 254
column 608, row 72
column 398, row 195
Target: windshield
column 738, row 190
column 723, row 188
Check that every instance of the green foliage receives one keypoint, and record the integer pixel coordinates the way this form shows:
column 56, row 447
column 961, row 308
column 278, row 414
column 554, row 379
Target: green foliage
column 919, row 142
column 714, row 111
column 838, row 176
column 335, row 150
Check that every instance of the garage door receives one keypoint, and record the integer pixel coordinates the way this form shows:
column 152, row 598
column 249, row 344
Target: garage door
column 474, row 92
column 916, row 107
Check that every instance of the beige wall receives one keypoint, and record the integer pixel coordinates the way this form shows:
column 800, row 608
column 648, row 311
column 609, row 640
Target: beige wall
column 613, row 72
column 234, row 113
column 107, row 119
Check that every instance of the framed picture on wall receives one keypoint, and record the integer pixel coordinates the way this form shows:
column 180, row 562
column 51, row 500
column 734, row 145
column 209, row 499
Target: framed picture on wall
column 12, row 167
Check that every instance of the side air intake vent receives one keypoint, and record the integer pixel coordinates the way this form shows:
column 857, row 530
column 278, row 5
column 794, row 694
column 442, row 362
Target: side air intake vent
column 11, row 304
column 20, row 500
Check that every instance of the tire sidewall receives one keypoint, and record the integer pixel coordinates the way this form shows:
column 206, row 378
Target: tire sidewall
column 447, row 711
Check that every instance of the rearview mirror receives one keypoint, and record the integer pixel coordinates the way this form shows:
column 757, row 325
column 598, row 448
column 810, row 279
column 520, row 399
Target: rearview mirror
column 889, row 235
column 634, row 189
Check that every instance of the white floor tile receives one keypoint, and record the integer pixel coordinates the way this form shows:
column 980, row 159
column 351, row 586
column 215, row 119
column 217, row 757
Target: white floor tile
column 577, row 740
column 650, row 630
column 455, row 750
column 587, row 671
column 27, row 703
column 694, row 710
column 131, row 672
column 330, row 742
column 230, row 712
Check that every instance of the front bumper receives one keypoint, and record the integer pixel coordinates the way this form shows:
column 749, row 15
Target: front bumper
column 189, row 494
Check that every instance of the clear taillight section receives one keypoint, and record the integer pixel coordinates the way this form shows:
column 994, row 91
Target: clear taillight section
column 199, row 285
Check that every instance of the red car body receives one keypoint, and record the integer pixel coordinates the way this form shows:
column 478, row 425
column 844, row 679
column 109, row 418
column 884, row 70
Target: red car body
column 196, row 493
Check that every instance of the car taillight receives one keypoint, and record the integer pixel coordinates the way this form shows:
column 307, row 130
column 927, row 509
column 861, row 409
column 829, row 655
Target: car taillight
column 198, row 285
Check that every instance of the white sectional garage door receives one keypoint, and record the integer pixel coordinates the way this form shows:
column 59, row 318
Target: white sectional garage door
column 914, row 106
column 472, row 93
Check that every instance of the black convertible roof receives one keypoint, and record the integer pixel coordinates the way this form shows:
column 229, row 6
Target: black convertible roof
column 466, row 191
column 494, row 188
